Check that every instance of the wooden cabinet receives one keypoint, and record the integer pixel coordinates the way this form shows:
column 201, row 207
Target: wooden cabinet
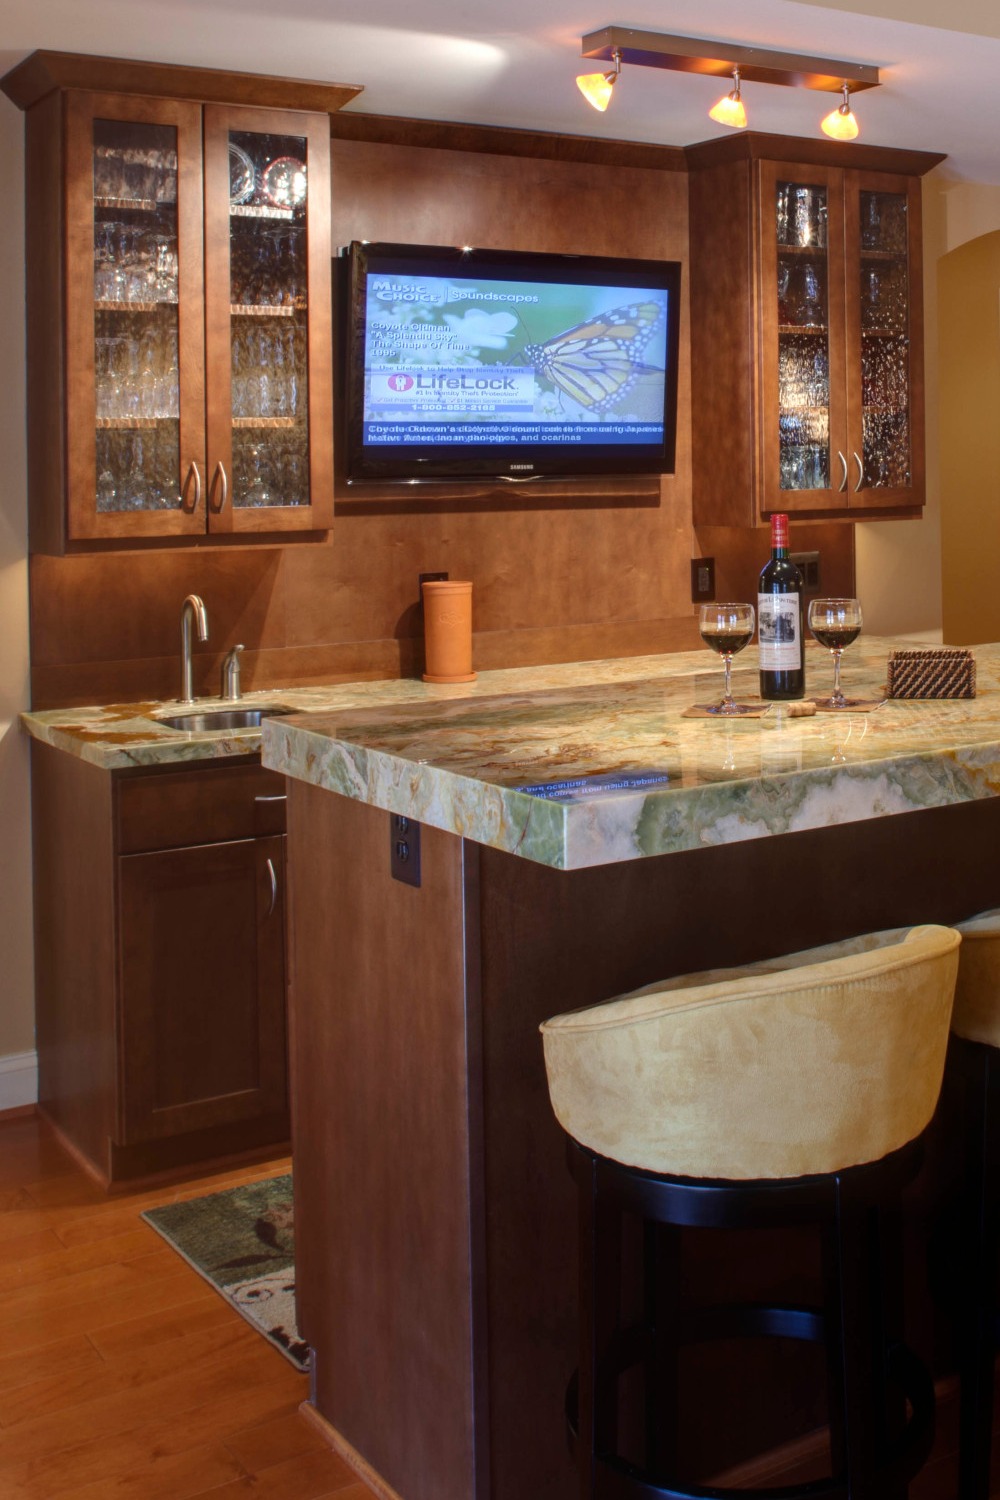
column 161, row 961
column 179, row 290
column 807, row 334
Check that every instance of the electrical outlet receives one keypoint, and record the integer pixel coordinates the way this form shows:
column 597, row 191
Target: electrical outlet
column 404, row 849
column 702, row 579
column 808, row 565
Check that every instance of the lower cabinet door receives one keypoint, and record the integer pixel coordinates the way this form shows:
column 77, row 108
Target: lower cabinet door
column 201, row 1005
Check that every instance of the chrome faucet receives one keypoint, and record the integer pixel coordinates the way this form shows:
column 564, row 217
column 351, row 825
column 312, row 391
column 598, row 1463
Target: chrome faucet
column 230, row 687
column 191, row 609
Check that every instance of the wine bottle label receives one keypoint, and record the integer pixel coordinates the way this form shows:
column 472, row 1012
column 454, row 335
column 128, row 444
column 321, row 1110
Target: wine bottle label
column 779, row 641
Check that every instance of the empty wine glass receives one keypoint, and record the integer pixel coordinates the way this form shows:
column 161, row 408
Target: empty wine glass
column 727, row 628
column 835, row 623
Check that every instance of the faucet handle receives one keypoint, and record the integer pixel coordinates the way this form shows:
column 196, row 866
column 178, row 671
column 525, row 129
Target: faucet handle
column 230, row 687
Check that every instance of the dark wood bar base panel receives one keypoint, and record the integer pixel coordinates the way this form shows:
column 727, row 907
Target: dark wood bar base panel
column 434, row 1212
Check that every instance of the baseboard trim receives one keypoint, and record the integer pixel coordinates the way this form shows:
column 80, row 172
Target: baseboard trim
column 18, row 1080
column 352, row 1458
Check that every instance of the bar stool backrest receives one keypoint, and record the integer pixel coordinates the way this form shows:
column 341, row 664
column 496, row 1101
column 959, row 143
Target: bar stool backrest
column 977, row 994
column 812, row 1062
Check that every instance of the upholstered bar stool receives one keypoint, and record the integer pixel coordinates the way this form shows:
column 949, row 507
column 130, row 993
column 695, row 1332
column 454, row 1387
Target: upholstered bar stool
column 974, row 1063
column 788, row 1092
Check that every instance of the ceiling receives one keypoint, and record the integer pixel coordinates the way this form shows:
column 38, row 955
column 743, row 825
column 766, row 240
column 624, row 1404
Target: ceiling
column 513, row 63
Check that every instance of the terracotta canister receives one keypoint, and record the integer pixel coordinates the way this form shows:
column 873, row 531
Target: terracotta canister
column 448, row 632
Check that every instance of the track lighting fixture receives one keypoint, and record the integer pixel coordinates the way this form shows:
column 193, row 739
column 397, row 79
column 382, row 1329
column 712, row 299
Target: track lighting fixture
column 685, row 54
column 596, row 88
column 730, row 110
column 840, row 122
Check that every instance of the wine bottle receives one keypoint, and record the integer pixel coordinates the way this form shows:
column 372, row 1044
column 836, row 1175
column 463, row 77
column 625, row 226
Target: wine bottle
column 779, row 621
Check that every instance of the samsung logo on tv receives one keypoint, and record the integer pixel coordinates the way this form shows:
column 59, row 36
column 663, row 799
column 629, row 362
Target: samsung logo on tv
column 522, row 466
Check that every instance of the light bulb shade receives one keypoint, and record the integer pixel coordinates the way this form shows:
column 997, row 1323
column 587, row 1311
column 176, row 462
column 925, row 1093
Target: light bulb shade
column 840, row 123
column 597, row 89
column 730, row 111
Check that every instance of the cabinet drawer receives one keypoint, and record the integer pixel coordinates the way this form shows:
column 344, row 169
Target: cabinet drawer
column 173, row 809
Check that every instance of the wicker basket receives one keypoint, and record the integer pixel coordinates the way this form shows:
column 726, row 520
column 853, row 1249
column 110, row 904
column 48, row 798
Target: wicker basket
column 936, row 672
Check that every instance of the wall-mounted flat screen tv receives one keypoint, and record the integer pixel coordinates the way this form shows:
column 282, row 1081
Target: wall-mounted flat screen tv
column 466, row 364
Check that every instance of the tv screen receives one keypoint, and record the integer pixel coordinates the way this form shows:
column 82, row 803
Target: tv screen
column 467, row 364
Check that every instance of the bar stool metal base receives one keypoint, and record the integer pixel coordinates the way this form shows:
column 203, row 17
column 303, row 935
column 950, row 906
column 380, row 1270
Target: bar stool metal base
column 880, row 1396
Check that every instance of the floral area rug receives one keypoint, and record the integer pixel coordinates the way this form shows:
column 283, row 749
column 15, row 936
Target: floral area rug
column 241, row 1241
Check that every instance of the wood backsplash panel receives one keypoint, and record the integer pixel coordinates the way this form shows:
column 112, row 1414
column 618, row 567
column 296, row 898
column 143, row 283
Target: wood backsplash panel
column 560, row 571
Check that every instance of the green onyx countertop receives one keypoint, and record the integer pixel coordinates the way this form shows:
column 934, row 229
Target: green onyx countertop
column 119, row 736
column 466, row 761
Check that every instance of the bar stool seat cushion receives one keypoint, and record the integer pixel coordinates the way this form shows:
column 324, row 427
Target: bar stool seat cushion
column 807, row 1063
column 977, row 993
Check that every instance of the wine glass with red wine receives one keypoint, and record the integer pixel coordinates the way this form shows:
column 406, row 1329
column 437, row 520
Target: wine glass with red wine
column 835, row 623
column 727, row 628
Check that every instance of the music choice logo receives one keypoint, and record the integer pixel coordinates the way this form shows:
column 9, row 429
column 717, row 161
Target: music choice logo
column 400, row 382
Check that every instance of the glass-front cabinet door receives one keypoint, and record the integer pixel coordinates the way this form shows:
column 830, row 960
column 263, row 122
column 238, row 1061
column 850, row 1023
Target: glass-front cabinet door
column 804, row 401
column 268, row 288
column 134, row 327
column 197, row 352
column 841, row 404
column 883, row 268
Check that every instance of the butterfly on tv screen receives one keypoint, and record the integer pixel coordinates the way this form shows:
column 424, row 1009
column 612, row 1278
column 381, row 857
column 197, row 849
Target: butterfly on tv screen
column 598, row 361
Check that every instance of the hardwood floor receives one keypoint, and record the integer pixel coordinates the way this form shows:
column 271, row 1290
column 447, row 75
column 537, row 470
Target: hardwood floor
column 122, row 1373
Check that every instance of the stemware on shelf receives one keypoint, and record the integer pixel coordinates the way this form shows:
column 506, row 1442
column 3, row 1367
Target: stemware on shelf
column 269, row 313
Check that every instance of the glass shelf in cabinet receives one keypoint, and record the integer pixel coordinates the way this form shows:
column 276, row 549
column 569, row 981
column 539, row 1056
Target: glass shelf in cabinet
column 260, row 211
column 141, row 205
column 266, row 309
column 814, row 251
column 126, row 424
column 134, row 307
column 245, row 423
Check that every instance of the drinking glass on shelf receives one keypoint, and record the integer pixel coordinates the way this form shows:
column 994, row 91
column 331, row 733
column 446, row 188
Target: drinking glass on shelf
column 835, row 623
column 727, row 628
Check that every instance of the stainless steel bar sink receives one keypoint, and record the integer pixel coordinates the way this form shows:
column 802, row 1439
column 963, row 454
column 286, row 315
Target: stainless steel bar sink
column 220, row 718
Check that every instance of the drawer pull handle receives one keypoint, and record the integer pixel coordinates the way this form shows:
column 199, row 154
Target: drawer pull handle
column 273, row 880
column 276, row 797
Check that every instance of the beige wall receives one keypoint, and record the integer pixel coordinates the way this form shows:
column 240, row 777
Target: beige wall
column 913, row 576
column 969, row 298
column 16, row 968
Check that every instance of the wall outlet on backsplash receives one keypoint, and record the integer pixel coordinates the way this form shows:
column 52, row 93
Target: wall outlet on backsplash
column 808, row 565
column 702, row 579
column 423, row 578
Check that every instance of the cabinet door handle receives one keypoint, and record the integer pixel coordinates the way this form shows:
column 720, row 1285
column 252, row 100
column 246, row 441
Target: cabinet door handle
column 273, row 883
column 861, row 473
column 192, row 477
column 843, row 478
column 219, row 481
